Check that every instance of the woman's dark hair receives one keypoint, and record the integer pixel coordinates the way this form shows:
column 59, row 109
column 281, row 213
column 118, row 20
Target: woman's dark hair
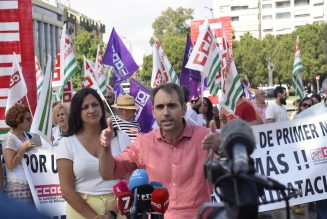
column 75, row 121
column 15, row 115
column 209, row 113
column 317, row 96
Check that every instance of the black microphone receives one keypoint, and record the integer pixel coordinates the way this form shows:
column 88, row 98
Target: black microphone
column 237, row 140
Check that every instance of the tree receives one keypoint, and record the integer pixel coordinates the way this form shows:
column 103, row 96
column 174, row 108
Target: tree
column 85, row 43
column 170, row 29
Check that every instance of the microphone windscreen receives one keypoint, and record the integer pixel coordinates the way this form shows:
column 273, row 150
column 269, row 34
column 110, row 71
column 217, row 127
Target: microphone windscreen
column 124, row 202
column 120, row 187
column 144, row 197
column 156, row 184
column 160, row 200
column 138, row 177
column 237, row 131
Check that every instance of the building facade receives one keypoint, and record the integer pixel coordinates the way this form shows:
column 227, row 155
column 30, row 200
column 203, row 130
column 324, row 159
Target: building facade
column 48, row 20
column 276, row 17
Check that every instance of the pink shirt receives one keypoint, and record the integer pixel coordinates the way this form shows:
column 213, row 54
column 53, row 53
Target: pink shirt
column 179, row 167
column 260, row 109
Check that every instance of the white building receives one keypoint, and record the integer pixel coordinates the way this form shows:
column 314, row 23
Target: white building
column 262, row 17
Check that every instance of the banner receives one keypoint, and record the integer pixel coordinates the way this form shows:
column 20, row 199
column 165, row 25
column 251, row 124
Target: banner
column 17, row 87
column 162, row 71
column 41, row 171
column 295, row 154
column 142, row 98
column 42, row 121
column 190, row 78
column 119, row 58
column 16, row 35
column 297, row 70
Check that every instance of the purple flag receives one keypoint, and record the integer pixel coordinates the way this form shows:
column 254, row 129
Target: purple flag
column 119, row 58
column 190, row 78
column 247, row 91
column 142, row 98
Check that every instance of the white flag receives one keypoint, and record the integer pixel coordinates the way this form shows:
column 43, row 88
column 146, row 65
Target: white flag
column 39, row 76
column 162, row 71
column 68, row 64
column 206, row 58
column 17, row 88
column 100, row 75
column 42, row 121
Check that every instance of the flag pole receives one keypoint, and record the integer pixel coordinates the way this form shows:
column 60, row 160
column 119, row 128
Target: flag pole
column 202, row 84
column 29, row 106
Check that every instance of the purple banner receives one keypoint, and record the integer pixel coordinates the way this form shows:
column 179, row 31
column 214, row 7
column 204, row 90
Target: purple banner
column 142, row 98
column 118, row 57
column 190, row 78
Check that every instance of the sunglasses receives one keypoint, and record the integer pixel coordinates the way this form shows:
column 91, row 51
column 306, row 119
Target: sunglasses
column 305, row 105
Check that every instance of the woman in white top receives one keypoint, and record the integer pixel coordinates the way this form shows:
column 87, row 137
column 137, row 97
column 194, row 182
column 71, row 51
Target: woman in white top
column 14, row 146
column 60, row 122
column 86, row 193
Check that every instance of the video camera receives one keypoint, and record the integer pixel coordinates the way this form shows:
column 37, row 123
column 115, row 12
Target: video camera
column 234, row 178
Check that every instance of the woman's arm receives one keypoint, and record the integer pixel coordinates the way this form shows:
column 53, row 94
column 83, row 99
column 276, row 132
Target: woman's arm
column 13, row 158
column 67, row 183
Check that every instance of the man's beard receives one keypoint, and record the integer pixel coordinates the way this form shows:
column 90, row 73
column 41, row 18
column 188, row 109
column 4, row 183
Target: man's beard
column 283, row 101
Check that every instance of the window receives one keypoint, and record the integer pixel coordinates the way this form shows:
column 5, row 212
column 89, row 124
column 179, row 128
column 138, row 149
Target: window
column 301, row 2
column 267, row 30
column 236, row 8
column 283, row 15
column 302, row 15
column 267, row 6
column 283, row 4
column 237, row 18
column 267, row 17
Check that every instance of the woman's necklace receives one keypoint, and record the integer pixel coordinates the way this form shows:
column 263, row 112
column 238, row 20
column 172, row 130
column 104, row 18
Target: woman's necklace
column 22, row 138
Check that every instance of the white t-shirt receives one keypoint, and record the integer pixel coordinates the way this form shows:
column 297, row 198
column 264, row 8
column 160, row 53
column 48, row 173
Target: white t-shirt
column 86, row 166
column 276, row 112
column 56, row 135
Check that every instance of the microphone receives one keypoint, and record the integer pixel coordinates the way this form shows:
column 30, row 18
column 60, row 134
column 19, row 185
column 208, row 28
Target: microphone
column 237, row 140
column 120, row 187
column 124, row 203
column 156, row 184
column 160, row 200
column 138, row 177
column 123, row 196
column 141, row 189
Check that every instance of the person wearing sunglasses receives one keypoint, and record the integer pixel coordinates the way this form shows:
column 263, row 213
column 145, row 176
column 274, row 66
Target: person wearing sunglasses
column 14, row 146
column 305, row 103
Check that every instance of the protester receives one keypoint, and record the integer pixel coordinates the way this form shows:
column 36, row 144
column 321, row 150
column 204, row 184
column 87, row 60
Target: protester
column 305, row 103
column 215, row 112
column 171, row 154
column 206, row 110
column 60, row 122
column 259, row 104
column 195, row 112
column 14, row 146
column 244, row 110
column 110, row 98
column 296, row 103
column 86, row 193
column 318, row 109
column 276, row 112
column 126, row 109
column 2, row 176
column 316, row 98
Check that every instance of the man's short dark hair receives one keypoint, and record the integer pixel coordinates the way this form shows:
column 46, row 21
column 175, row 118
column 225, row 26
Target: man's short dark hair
column 279, row 89
column 169, row 88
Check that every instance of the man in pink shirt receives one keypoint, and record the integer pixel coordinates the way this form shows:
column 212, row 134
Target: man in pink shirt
column 173, row 154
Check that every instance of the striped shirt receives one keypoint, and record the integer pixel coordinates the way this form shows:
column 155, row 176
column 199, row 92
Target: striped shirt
column 131, row 128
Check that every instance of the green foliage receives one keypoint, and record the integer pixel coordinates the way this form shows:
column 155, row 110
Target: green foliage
column 252, row 55
column 170, row 29
column 85, row 43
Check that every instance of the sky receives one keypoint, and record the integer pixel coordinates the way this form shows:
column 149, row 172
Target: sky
column 133, row 19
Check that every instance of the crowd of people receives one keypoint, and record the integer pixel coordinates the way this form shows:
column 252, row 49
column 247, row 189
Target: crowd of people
column 100, row 142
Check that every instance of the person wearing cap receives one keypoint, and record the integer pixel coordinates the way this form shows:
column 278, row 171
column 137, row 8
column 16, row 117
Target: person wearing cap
column 125, row 109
